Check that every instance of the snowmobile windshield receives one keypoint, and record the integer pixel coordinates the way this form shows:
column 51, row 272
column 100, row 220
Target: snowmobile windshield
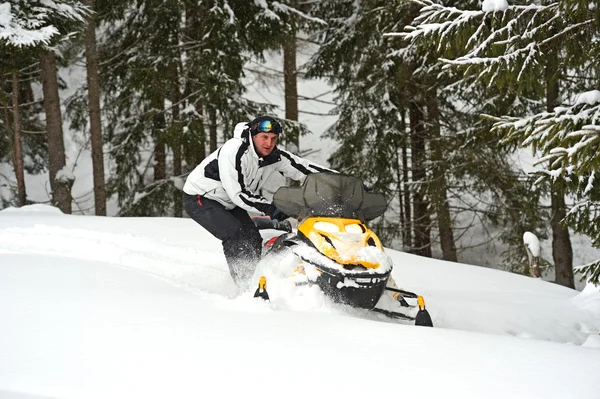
column 330, row 195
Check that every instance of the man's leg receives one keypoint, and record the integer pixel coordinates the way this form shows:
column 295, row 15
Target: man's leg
column 243, row 248
column 240, row 238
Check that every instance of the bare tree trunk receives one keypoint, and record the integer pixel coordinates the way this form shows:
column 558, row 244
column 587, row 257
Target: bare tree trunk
column 290, row 80
column 422, row 221
column 212, row 128
column 91, row 56
column 60, row 180
column 290, row 77
column 158, row 126
column 407, row 237
column 177, row 159
column 200, row 145
column 197, row 146
column 562, row 252
column 439, row 187
column 9, row 133
column 17, row 151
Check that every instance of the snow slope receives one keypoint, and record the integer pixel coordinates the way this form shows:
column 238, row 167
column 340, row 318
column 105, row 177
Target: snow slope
column 144, row 307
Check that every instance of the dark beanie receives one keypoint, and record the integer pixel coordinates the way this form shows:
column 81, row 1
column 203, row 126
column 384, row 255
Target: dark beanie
column 264, row 124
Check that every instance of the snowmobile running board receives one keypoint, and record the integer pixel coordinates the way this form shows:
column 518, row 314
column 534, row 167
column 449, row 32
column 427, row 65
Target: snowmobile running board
column 405, row 294
column 422, row 319
column 393, row 315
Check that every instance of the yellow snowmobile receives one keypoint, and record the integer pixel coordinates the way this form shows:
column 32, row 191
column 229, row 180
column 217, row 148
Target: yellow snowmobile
column 334, row 248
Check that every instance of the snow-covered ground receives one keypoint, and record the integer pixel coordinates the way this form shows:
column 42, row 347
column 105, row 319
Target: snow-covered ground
column 96, row 307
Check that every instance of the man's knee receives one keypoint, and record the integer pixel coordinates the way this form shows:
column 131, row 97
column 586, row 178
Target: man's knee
column 242, row 252
column 244, row 243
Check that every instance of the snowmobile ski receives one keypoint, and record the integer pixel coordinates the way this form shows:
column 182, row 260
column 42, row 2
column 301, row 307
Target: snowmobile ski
column 393, row 315
column 261, row 291
column 423, row 318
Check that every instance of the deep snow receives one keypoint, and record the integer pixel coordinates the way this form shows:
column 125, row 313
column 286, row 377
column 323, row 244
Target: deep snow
column 144, row 307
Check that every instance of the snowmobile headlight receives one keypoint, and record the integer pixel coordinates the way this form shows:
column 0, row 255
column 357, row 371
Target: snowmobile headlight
column 327, row 227
column 354, row 228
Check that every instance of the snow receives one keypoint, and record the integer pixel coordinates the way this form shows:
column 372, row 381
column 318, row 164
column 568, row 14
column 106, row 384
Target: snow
column 20, row 31
column 5, row 14
column 96, row 307
column 19, row 36
column 65, row 175
column 532, row 242
column 494, row 5
column 589, row 97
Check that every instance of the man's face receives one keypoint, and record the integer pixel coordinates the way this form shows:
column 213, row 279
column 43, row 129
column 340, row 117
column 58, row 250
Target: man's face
column 264, row 143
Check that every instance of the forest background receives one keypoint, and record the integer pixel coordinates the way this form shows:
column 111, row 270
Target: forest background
column 108, row 105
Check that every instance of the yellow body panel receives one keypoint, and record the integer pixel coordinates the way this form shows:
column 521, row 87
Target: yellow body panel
column 350, row 245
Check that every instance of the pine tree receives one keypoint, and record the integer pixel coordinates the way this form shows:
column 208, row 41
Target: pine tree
column 174, row 88
column 27, row 29
column 401, row 113
column 513, row 48
column 370, row 92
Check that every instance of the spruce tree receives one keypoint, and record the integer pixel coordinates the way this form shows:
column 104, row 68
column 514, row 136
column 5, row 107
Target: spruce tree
column 401, row 113
column 173, row 88
column 28, row 29
column 512, row 48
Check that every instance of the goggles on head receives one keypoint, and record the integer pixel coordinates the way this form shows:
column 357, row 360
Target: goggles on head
column 267, row 126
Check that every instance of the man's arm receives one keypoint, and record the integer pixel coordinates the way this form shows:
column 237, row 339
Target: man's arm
column 297, row 168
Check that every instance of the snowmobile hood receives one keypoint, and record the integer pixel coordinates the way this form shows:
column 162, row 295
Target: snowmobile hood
column 330, row 195
column 347, row 242
column 346, row 258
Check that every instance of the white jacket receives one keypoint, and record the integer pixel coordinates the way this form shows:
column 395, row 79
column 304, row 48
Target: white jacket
column 234, row 174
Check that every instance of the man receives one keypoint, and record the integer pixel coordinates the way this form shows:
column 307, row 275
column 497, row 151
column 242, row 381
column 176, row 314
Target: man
column 220, row 192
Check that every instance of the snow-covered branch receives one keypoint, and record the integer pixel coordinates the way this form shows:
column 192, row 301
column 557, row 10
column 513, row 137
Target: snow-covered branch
column 568, row 137
column 508, row 41
column 31, row 24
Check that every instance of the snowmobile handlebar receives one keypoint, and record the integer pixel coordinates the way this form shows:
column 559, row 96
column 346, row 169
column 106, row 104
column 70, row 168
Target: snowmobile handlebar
column 265, row 223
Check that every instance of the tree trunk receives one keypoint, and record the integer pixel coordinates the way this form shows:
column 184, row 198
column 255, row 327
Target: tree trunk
column 91, row 56
column 199, row 144
column 422, row 221
column 212, row 128
column 177, row 159
column 439, row 187
column 60, row 180
column 562, row 252
column 17, row 150
column 290, row 80
column 158, row 126
column 290, row 76
column 407, row 237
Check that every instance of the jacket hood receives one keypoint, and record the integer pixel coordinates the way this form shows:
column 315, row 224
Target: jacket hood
column 239, row 129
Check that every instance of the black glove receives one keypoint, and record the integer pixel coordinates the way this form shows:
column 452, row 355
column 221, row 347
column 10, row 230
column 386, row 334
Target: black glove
column 283, row 225
column 275, row 213
column 265, row 222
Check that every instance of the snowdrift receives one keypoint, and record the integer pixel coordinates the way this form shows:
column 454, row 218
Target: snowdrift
column 144, row 307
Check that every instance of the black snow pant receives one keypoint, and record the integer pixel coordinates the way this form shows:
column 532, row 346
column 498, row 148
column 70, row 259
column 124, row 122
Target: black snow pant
column 242, row 242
